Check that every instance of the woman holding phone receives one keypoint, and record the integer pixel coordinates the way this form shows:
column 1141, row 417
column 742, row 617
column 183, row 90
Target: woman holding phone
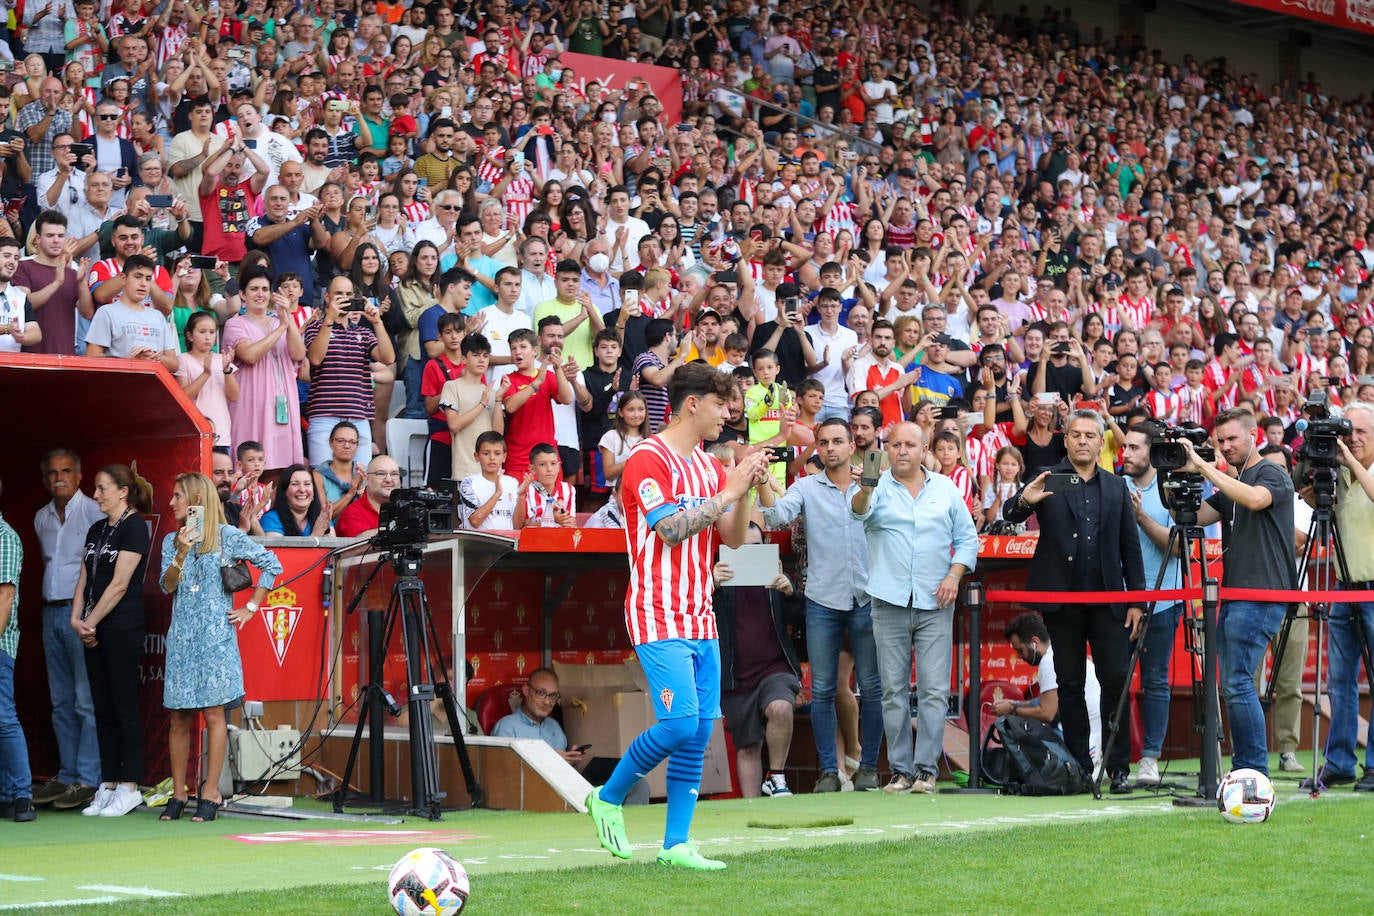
column 107, row 615
column 203, row 670
column 268, row 349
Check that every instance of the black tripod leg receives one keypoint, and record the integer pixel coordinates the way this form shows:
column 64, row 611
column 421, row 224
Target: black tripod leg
column 369, row 715
column 424, row 766
column 457, row 725
column 1280, row 649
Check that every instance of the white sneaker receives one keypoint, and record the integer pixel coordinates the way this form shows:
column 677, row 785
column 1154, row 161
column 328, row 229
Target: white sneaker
column 98, row 803
column 775, row 786
column 123, row 801
column 1147, row 772
column 1288, row 762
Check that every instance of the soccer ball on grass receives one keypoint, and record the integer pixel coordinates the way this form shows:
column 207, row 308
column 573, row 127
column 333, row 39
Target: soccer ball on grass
column 427, row 882
column 1245, row 796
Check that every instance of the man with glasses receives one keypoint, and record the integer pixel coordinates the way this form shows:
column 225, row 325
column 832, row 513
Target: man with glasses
column 533, row 718
column 63, row 186
column 442, row 227
column 363, row 515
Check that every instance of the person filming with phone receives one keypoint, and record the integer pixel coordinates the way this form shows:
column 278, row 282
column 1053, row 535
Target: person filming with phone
column 204, row 671
column 1087, row 543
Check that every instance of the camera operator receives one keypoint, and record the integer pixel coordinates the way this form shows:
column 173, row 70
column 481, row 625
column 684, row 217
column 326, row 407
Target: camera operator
column 1087, row 542
column 1355, row 523
column 1152, row 519
column 1256, row 511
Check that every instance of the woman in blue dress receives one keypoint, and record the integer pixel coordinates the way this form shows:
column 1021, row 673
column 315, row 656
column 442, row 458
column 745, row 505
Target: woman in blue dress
column 203, row 667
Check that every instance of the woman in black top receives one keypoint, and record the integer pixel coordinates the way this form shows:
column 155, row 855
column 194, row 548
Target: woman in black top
column 107, row 613
column 1037, row 436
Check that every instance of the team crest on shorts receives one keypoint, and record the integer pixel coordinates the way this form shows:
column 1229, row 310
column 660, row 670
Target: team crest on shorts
column 665, row 696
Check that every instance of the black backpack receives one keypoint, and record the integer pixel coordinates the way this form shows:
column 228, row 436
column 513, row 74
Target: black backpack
column 1030, row 758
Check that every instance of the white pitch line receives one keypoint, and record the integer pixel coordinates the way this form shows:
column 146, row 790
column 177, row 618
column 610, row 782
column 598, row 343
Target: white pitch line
column 20, row 878
column 42, row 904
column 131, row 891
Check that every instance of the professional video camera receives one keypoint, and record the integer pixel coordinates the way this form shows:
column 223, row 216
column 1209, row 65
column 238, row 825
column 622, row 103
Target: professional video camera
column 1166, row 447
column 1321, row 432
column 1180, row 490
column 411, row 515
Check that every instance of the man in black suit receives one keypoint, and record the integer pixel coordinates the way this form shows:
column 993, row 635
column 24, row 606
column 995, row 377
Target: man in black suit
column 1087, row 543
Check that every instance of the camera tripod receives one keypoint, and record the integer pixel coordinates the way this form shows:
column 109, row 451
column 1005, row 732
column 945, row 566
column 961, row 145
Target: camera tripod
column 425, row 682
column 1201, row 640
column 1326, row 572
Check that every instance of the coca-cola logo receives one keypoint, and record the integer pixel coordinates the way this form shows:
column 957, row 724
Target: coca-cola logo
column 1360, row 11
column 1323, row 7
column 1019, row 547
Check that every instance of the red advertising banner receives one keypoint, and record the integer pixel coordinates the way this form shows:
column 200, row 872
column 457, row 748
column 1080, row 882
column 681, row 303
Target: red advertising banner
column 1356, row 15
column 281, row 644
column 665, row 82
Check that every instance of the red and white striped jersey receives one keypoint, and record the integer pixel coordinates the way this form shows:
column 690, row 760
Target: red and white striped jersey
column 1139, row 313
column 670, row 593
column 416, row 212
column 169, row 43
column 1215, row 377
column 979, row 458
column 962, row 479
column 537, row 499
column 1164, row 407
column 839, row 217
column 489, row 171
column 1304, row 364
column 519, row 198
column 1191, row 403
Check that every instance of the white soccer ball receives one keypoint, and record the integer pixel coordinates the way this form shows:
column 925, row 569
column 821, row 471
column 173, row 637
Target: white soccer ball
column 1245, row 796
column 427, row 882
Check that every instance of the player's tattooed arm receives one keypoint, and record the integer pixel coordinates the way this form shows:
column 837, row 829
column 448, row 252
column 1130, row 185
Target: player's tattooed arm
column 679, row 526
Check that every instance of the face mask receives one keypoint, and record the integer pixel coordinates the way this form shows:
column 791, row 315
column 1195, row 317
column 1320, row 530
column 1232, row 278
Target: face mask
column 598, row 263
column 608, row 117
column 555, row 74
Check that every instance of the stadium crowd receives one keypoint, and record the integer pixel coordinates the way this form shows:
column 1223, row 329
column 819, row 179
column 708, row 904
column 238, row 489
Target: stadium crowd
column 313, row 212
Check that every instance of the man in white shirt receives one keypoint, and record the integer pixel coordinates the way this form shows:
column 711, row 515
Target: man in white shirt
column 61, row 526
column 623, row 231
column 835, row 344
column 272, row 147
column 18, row 322
column 1031, row 641
column 499, row 320
column 442, row 227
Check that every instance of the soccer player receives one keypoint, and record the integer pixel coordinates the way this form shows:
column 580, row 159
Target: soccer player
column 678, row 502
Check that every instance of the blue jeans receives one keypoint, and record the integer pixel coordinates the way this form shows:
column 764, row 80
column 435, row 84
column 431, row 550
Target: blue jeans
column 15, row 778
column 411, row 376
column 1154, row 678
column 1244, row 629
column 1343, row 654
column 825, row 629
column 897, row 631
column 73, row 713
column 832, row 413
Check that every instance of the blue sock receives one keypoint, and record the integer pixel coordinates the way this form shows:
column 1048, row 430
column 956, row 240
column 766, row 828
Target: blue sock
column 684, row 782
column 646, row 752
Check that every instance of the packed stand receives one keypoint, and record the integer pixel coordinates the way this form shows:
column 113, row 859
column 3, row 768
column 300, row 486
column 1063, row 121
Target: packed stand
column 320, row 218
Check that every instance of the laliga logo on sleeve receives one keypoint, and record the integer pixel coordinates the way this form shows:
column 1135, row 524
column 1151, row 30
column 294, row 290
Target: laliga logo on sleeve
column 281, row 615
column 650, row 496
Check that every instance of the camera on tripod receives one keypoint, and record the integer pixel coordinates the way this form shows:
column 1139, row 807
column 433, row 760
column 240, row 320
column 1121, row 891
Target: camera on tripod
column 1321, row 432
column 1166, row 447
column 411, row 515
column 1180, row 491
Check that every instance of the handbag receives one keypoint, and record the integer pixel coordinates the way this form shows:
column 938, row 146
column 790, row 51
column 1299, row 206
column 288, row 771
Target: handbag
column 236, row 576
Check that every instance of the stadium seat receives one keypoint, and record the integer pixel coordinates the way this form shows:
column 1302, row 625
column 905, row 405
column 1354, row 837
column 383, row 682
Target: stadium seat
column 495, row 703
column 407, row 441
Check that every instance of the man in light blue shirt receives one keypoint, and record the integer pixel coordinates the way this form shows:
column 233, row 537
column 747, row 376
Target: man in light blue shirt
column 921, row 542
column 836, row 599
column 534, row 717
column 1153, row 522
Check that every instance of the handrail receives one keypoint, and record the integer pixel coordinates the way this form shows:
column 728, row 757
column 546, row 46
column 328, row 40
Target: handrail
column 835, row 129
